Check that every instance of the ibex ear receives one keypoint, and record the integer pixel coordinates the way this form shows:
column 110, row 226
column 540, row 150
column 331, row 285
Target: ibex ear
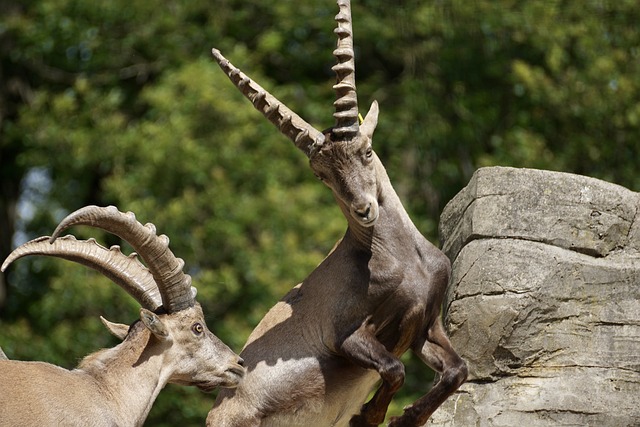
column 118, row 330
column 154, row 324
column 370, row 121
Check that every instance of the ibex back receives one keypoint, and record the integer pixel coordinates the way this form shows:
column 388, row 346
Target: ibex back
column 317, row 354
column 117, row 386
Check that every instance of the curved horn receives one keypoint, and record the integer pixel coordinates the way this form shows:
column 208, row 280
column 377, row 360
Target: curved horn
column 303, row 135
column 174, row 285
column 346, row 104
column 126, row 271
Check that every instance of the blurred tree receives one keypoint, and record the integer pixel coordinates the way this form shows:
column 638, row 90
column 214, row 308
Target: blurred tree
column 118, row 103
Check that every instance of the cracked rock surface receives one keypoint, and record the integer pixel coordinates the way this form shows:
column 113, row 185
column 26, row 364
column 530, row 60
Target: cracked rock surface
column 544, row 300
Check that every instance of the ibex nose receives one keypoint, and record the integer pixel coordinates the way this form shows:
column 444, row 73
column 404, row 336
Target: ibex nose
column 366, row 212
column 363, row 211
column 240, row 361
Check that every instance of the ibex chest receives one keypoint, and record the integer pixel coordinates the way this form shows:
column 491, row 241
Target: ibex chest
column 398, row 275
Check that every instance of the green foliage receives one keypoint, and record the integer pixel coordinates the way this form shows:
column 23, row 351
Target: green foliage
column 119, row 103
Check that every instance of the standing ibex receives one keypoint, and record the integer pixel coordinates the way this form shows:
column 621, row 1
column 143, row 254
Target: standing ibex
column 316, row 355
column 117, row 386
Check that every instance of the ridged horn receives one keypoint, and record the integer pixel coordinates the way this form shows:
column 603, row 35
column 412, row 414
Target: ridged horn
column 304, row 136
column 346, row 104
column 125, row 271
column 173, row 284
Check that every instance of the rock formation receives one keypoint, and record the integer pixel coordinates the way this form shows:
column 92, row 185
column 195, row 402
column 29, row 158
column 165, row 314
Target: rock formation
column 544, row 301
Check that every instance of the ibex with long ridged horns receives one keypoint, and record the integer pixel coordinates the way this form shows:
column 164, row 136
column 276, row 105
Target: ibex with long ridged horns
column 117, row 386
column 317, row 354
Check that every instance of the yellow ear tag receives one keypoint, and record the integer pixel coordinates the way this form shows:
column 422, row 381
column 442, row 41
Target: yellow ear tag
column 360, row 119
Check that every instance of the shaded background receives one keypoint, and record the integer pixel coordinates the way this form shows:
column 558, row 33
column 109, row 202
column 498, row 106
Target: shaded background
column 119, row 103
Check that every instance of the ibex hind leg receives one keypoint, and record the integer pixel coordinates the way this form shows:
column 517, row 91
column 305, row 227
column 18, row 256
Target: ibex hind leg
column 436, row 351
column 363, row 349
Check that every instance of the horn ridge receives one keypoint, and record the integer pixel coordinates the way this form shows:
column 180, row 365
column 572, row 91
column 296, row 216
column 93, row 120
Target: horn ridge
column 173, row 284
column 125, row 271
column 303, row 135
column 346, row 104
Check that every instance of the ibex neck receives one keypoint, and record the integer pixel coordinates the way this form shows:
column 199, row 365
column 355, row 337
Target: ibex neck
column 130, row 375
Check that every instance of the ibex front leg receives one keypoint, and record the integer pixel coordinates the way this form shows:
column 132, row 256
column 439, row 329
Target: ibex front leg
column 436, row 351
column 364, row 349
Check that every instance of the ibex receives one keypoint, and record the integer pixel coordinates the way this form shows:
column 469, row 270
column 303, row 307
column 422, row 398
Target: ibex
column 317, row 354
column 170, row 344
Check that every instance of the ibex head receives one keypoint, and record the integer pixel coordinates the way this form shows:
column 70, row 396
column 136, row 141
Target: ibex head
column 192, row 354
column 197, row 357
column 342, row 156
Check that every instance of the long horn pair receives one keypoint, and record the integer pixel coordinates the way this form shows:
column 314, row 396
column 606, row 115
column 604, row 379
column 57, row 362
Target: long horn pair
column 125, row 271
column 306, row 137
column 174, row 285
column 163, row 282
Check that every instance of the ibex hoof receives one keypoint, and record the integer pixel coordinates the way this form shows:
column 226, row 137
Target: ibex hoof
column 360, row 421
column 396, row 422
column 402, row 422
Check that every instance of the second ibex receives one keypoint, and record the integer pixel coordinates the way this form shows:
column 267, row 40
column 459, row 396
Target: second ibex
column 170, row 344
column 317, row 354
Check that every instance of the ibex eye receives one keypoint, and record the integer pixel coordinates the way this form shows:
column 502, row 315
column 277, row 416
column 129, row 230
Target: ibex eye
column 197, row 328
